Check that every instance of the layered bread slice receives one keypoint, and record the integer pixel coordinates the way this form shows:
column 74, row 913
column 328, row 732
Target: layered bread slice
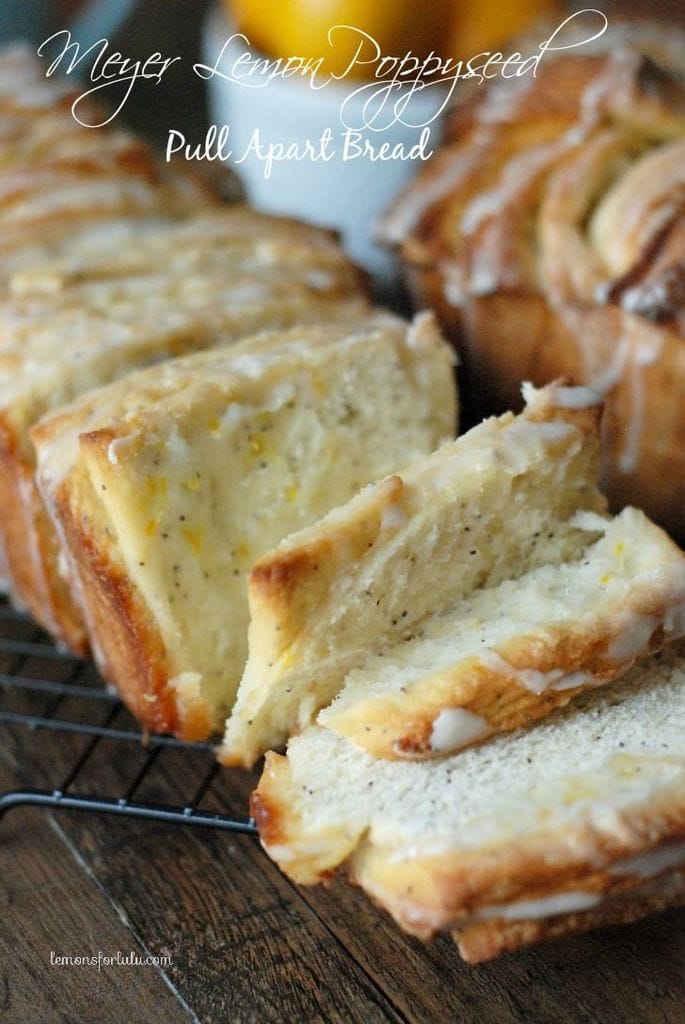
column 505, row 655
column 577, row 821
column 89, row 318
column 167, row 485
column 37, row 121
column 495, row 504
column 68, row 191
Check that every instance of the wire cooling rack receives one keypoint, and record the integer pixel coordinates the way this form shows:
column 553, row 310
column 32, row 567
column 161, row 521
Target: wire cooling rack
column 96, row 711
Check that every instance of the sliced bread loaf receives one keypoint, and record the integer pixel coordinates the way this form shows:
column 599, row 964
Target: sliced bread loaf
column 507, row 841
column 167, row 485
column 498, row 502
column 88, row 319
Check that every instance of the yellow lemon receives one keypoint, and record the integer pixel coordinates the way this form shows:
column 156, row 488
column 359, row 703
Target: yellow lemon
column 301, row 28
column 458, row 28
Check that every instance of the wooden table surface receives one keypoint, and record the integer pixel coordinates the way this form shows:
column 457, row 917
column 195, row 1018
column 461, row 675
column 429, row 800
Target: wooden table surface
column 245, row 944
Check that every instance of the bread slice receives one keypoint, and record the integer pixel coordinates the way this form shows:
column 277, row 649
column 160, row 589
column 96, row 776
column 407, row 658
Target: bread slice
column 57, row 187
column 496, row 503
column 168, row 484
column 539, row 823
column 87, row 319
column 507, row 654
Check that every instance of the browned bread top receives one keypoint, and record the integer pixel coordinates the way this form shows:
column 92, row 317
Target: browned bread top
column 549, row 235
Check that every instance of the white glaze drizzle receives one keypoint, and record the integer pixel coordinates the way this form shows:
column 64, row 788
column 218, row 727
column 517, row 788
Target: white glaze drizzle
column 393, row 518
column 533, row 679
column 454, row 728
column 633, row 638
column 647, row 865
column 407, row 213
column 546, row 906
column 115, row 447
column 646, row 350
column 576, row 398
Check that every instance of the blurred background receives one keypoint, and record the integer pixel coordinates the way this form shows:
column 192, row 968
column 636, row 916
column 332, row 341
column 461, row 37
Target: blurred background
column 348, row 196
column 137, row 28
column 280, row 27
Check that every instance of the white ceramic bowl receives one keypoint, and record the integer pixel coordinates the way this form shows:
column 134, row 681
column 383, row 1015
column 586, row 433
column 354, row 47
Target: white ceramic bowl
column 345, row 194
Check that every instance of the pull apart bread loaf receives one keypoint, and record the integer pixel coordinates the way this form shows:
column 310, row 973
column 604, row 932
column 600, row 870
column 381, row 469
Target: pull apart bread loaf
column 68, row 191
column 473, row 592
column 573, row 823
column 548, row 234
column 167, row 485
column 83, row 320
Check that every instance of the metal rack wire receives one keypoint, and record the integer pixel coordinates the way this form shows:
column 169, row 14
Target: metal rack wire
column 91, row 698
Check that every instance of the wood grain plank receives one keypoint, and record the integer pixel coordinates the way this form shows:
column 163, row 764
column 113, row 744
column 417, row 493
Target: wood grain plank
column 245, row 947
column 615, row 976
column 248, row 944
column 47, row 904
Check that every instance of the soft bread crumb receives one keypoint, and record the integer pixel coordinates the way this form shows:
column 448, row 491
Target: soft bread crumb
column 583, row 802
column 491, row 506
column 218, row 455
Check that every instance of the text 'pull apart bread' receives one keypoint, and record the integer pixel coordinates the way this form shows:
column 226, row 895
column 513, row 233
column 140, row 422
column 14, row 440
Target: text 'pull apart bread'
column 548, row 234
column 575, row 822
column 167, row 485
column 84, row 321
column 466, row 595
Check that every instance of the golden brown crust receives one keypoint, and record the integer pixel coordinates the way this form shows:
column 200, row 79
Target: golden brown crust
column 267, row 811
column 284, row 588
column 127, row 645
column 400, row 726
column 500, row 236
column 130, row 651
column 31, row 549
column 435, row 893
column 487, row 939
column 280, row 829
column 276, row 579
